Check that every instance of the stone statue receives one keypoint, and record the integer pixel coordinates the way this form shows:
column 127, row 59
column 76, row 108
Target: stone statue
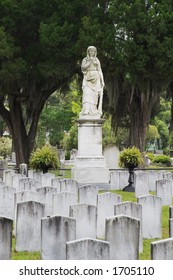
column 93, row 84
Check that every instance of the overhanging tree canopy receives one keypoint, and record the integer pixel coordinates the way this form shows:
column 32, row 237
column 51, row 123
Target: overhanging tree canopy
column 37, row 56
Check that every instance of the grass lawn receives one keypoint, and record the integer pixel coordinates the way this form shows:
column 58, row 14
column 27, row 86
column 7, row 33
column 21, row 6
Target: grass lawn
column 126, row 196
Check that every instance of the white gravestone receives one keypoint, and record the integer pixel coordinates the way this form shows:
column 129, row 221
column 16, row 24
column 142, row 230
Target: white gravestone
column 5, row 238
column 119, row 179
column 62, row 202
column 15, row 180
column 69, row 185
column 88, row 249
column 56, row 183
column 164, row 190
column 151, row 216
column 88, row 194
column 56, row 231
column 27, row 184
column 162, row 249
column 46, row 197
column 28, row 226
column 153, row 176
column 46, row 179
column 141, row 184
column 105, row 208
column 7, row 202
column 122, row 232
column 111, row 154
column 23, row 197
column 86, row 222
column 133, row 210
column 7, row 177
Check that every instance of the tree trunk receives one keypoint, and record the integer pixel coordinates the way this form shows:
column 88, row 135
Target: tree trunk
column 23, row 141
column 18, row 131
column 139, row 114
column 171, row 120
column 138, row 126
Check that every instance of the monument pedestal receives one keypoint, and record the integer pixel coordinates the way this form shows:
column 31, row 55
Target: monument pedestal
column 90, row 165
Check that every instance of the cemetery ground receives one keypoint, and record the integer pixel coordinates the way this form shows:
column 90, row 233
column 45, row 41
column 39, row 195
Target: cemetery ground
column 126, row 196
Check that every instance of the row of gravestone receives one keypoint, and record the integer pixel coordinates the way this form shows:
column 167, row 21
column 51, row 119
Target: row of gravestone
column 57, row 238
column 160, row 182
column 88, row 194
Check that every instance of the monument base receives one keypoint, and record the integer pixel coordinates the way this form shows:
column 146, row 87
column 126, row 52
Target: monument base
column 91, row 175
column 90, row 166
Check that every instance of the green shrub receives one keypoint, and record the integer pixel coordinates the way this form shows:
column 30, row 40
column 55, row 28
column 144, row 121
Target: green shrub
column 130, row 157
column 150, row 156
column 5, row 146
column 162, row 159
column 44, row 158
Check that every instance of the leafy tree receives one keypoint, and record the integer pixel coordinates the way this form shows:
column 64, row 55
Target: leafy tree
column 37, row 56
column 5, row 146
column 152, row 135
column 144, row 40
column 136, row 55
column 162, row 121
column 59, row 114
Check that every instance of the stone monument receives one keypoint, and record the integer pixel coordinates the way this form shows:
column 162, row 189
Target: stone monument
column 90, row 165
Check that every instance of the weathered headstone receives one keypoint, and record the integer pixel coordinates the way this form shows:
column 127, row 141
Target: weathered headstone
column 62, row 202
column 88, row 249
column 5, row 238
column 86, row 223
column 27, row 184
column 111, row 154
column 69, row 185
column 122, row 232
column 153, row 176
column 164, row 190
column 151, row 216
column 88, row 194
column 118, row 179
column 7, row 177
column 7, row 202
column 46, row 179
column 23, row 168
column 23, row 197
column 15, row 180
column 56, row 183
column 28, row 226
column 162, row 249
column 56, row 231
column 37, row 176
column 133, row 210
column 3, row 166
column 73, row 154
column 105, row 208
column 141, row 184
column 46, row 197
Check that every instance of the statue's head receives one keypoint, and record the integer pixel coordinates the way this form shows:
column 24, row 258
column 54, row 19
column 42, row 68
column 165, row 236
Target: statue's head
column 93, row 49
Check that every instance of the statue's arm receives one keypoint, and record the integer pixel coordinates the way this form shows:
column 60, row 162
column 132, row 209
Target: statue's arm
column 85, row 64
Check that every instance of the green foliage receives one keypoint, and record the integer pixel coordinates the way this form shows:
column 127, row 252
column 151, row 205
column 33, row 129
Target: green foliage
column 70, row 140
column 5, row 147
column 162, row 159
column 171, row 140
column 152, row 134
column 162, row 121
column 150, row 156
column 130, row 157
column 44, row 158
column 108, row 134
